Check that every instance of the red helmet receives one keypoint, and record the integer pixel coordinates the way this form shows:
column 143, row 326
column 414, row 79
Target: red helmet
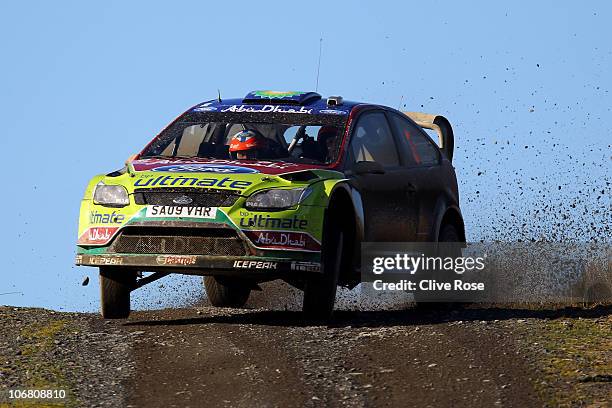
column 247, row 141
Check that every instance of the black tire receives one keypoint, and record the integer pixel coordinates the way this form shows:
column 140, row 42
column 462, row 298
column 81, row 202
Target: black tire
column 226, row 293
column 320, row 289
column 440, row 300
column 449, row 233
column 115, row 288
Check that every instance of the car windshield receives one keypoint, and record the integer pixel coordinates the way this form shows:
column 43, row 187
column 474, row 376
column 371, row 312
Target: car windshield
column 313, row 139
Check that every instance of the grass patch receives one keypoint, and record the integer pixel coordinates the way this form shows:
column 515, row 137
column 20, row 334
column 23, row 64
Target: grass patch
column 576, row 360
column 39, row 367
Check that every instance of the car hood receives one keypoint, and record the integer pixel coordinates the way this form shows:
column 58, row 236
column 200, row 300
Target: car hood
column 241, row 176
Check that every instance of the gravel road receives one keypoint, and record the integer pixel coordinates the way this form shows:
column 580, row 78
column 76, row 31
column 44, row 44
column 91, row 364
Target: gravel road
column 203, row 356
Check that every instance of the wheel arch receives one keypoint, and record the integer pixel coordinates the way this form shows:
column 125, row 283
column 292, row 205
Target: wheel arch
column 345, row 204
column 451, row 215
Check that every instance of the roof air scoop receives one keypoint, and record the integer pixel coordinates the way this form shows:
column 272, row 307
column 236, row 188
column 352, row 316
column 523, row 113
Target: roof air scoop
column 281, row 98
column 334, row 101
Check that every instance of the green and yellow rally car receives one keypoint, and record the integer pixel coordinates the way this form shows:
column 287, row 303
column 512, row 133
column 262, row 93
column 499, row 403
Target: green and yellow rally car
column 277, row 185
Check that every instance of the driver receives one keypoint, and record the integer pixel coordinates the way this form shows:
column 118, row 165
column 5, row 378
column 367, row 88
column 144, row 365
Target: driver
column 248, row 145
column 326, row 139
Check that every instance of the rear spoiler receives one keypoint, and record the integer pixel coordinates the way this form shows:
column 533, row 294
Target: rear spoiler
column 441, row 126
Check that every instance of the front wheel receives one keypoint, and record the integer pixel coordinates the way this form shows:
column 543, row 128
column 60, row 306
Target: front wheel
column 115, row 288
column 226, row 293
column 320, row 290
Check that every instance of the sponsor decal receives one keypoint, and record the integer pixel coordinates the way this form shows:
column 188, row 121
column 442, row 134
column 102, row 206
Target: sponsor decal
column 176, row 260
column 265, row 166
column 306, row 266
column 170, row 181
column 105, row 260
column 255, row 265
column 265, row 109
column 332, row 112
column 157, row 211
column 96, row 217
column 205, row 107
column 283, row 240
column 267, row 222
column 97, row 235
column 205, row 168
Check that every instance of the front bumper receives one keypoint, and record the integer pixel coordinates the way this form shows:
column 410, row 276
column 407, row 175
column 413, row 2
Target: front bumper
column 232, row 241
column 201, row 264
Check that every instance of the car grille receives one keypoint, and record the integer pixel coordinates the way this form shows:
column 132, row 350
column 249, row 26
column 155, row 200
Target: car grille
column 178, row 241
column 199, row 197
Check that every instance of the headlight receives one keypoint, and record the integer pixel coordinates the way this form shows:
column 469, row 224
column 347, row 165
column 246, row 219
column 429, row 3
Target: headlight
column 111, row 196
column 277, row 199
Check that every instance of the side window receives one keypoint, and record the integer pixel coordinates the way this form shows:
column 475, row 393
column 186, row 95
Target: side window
column 373, row 141
column 418, row 148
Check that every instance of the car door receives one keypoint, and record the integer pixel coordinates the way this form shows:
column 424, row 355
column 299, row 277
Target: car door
column 423, row 171
column 385, row 197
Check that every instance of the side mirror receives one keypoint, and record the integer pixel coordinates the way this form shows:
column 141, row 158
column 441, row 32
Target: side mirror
column 368, row 167
column 131, row 159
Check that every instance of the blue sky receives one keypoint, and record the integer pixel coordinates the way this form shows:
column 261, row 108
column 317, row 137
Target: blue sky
column 83, row 85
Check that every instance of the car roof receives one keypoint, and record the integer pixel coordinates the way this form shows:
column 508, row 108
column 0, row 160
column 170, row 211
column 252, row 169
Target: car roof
column 298, row 102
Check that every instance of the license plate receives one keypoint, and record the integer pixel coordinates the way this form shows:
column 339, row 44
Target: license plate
column 158, row 211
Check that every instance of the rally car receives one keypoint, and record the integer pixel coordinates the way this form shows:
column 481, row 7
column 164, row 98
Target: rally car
column 275, row 185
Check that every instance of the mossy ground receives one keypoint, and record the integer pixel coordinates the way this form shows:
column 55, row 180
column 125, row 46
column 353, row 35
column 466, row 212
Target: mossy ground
column 38, row 365
column 574, row 356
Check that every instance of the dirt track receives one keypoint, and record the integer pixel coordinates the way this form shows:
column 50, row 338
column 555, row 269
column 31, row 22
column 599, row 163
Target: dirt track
column 260, row 358
column 250, row 358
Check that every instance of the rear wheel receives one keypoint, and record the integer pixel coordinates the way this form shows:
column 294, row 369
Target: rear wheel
column 440, row 299
column 320, row 289
column 449, row 233
column 115, row 287
column 226, row 293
